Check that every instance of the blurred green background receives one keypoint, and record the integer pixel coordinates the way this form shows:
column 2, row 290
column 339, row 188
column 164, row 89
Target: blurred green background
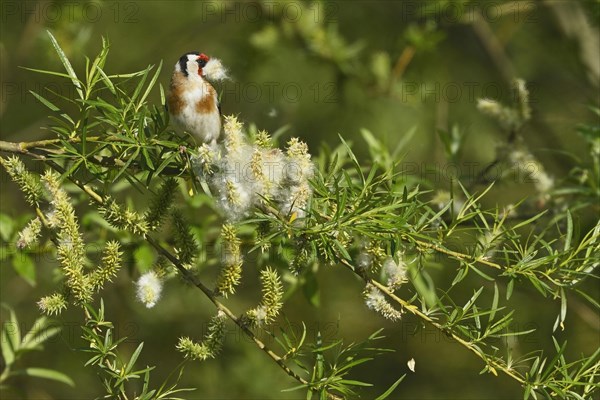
column 319, row 68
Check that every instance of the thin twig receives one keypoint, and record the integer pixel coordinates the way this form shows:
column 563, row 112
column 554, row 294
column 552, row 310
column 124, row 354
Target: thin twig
column 493, row 46
column 401, row 64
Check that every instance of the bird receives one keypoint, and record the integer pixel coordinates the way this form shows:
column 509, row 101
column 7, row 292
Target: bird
column 192, row 101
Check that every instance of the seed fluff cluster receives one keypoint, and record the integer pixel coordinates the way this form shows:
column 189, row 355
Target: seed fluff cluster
column 376, row 301
column 510, row 118
column 395, row 272
column 214, row 70
column 526, row 163
column 149, row 288
column 29, row 235
column 242, row 174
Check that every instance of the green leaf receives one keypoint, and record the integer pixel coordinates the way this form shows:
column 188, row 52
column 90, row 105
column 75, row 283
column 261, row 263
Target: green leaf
column 162, row 94
column 67, row 65
column 49, row 374
column 103, row 106
column 44, row 101
column 391, row 389
column 25, row 267
column 569, row 234
column 11, row 337
column 509, row 288
column 404, row 140
column 589, row 298
column 139, row 87
column 127, row 76
column 43, row 71
column 353, row 158
column 502, row 323
column 311, row 290
column 7, row 226
column 8, row 352
column 166, row 162
column 134, row 358
column 354, row 382
column 150, row 85
column 563, row 307
column 481, row 273
column 298, row 387
column 376, row 149
column 127, row 163
column 148, row 159
column 494, row 303
column 39, row 333
column 353, row 364
column 472, row 300
column 342, row 249
column 107, row 81
column 530, row 220
column 423, row 284
column 550, row 367
column 476, row 317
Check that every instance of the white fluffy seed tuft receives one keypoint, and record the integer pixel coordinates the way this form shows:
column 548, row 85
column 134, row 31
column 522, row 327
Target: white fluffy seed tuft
column 215, row 71
column 149, row 288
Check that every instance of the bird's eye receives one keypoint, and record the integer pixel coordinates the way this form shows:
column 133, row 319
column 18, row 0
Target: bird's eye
column 202, row 60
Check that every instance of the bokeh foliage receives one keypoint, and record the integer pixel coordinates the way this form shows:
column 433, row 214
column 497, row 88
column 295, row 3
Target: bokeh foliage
column 401, row 75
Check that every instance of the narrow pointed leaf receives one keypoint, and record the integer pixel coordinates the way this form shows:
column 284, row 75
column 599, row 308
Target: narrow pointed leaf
column 67, row 65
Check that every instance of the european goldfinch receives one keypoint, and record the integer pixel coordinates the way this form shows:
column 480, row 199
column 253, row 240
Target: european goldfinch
column 192, row 101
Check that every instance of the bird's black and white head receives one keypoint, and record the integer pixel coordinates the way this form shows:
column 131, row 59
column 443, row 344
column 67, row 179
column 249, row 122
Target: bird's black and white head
column 198, row 67
column 191, row 64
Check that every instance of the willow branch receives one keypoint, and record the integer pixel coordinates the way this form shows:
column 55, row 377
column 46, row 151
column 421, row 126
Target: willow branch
column 97, row 198
column 493, row 46
column 207, row 292
column 220, row 306
column 39, row 145
column 48, row 149
column 494, row 365
column 457, row 255
column 43, row 149
column 25, row 149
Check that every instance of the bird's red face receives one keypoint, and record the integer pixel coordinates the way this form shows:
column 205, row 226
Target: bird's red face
column 202, row 60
